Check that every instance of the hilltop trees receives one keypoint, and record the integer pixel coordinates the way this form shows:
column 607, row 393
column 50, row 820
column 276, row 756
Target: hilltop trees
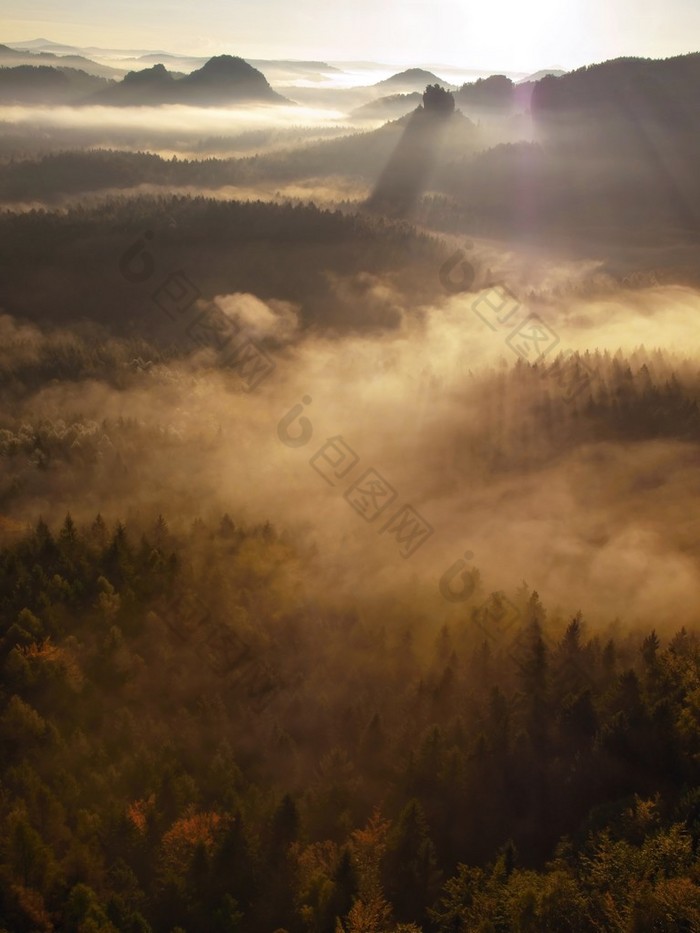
column 437, row 100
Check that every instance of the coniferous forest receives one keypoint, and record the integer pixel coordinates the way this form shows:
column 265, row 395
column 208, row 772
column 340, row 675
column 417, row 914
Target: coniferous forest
column 254, row 762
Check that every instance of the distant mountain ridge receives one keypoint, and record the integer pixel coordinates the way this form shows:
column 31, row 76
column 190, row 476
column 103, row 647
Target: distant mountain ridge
column 10, row 57
column 44, row 84
column 222, row 80
column 412, row 80
column 542, row 73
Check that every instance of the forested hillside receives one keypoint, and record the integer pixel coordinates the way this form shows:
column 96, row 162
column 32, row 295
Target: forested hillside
column 66, row 265
column 189, row 742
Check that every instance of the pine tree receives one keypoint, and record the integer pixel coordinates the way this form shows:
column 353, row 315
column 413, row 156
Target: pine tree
column 412, row 876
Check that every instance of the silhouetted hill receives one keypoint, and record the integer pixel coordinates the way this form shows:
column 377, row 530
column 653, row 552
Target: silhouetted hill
column 413, row 79
column 150, row 86
column 542, row 73
column 615, row 156
column 390, row 107
column 625, row 91
column 41, row 84
column 226, row 78
column 641, row 116
column 279, row 72
column 223, row 80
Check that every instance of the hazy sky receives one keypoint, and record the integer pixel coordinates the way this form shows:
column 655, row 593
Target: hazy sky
column 491, row 34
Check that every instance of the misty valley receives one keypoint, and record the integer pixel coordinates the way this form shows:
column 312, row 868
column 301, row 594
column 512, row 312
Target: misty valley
column 349, row 495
